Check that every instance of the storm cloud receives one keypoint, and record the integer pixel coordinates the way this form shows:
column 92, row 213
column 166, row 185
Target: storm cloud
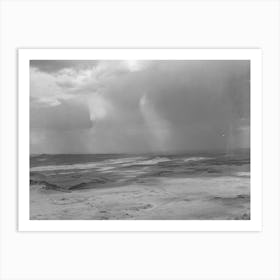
column 139, row 106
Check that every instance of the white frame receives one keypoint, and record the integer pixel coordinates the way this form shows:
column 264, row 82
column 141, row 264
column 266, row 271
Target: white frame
column 254, row 224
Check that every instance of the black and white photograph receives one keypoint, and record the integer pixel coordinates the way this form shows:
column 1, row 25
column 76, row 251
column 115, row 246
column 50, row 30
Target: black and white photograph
column 139, row 139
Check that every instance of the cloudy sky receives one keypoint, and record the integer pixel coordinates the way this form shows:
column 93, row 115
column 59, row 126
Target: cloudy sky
column 138, row 106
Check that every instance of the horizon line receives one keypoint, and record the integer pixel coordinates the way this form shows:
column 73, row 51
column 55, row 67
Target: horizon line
column 155, row 152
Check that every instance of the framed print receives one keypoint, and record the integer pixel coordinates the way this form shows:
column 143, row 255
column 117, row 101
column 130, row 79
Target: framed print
column 139, row 139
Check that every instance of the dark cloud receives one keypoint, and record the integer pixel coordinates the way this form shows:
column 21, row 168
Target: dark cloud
column 66, row 116
column 52, row 66
column 204, row 103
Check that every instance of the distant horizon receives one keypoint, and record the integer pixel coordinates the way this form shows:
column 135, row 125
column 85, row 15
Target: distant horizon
column 149, row 153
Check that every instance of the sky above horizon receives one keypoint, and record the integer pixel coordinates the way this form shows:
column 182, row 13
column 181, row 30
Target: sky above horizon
column 138, row 106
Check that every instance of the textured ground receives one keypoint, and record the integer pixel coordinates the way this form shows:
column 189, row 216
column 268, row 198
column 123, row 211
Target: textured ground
column 210, row 198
